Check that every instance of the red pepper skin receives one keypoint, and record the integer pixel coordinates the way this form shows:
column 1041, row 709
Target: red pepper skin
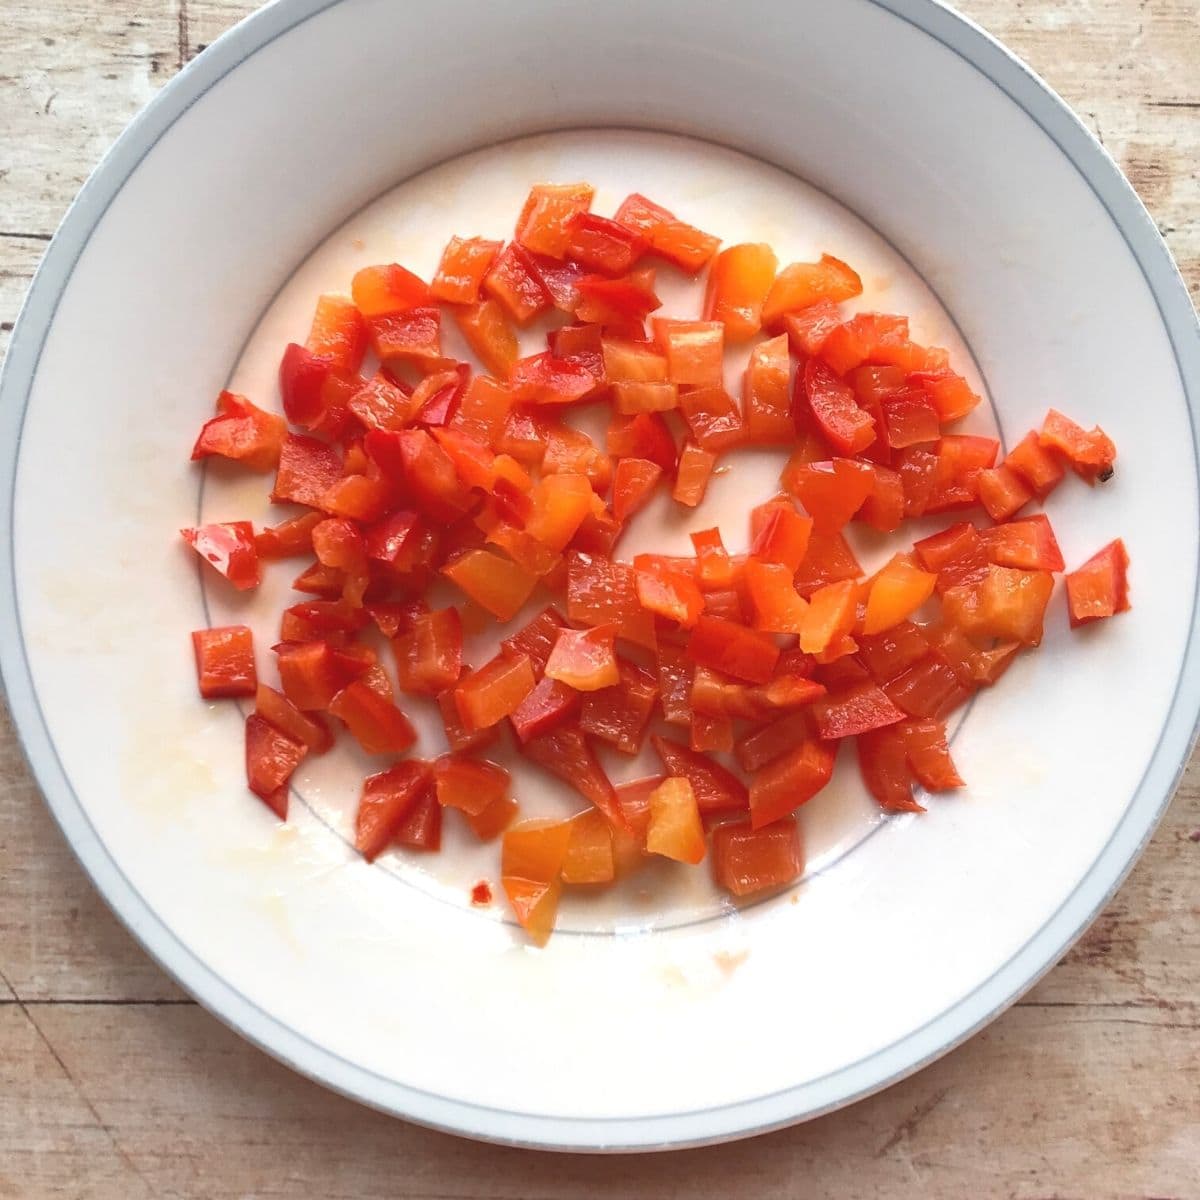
column 565, row 752
column 225, row 661
column 271, row 757
column 229, row 549
column 733, row 649
column 789, row 781
column 242, row 433
column 387, row 799
column 1100, row 588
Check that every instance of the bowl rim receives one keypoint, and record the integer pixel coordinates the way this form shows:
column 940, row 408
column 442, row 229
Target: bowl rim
column 739, row 1119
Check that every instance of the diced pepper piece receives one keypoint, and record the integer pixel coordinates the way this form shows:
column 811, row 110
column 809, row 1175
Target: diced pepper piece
column 829, row 560
column 1002, row 492
column 589, row 857
column 694, row 350
column 853, row 710
column 377, row 724
column 312, row 673
column 897, row 591
column 695, row 470
column 489, row 335
column 777, row 605
column 496, row 584
column 490, row 694
column 1100, row 587
column 830, row 403
column 809, row 329
column 469, row 784
column 303, row 379
column 716, row 789
column 711, row 733
column 831, row 492
column 514, row 283
column 894, row 650
column 628, row 360
column 411, row 336
column 276, row 709
column 929, row 688
column 225, row 661
column 545, row 221
column 1029, row 544
column 458, row 736
column 429, row 652
column 229, row 549
column 1091, row 454
column 916, row 466
column 565, row 752
column 494, row 819
column 738, row 284
column 957, row 555
column 1040, row 467
column 634, row 480
column 464, row 263
column 271, row 758
column 1007, row 604
column 621, row 305
column 307, row 470
column 733, row 649
column 619, row 715
column 384, row 290
column 531, row 861
column 421, row 827
column 769, row 741
column 792, row 779
column 338, row 333
column 766, row 394
column 536, row 639
column 603, row 245
column 643, row 436
column 960, row 459
column 950, row 393
column 559, row 504
column 747, row 860
column 583, row 659
column 682, row 244
column 600, row 591
column 803, row 284
column 289, row 538
column 549, row 704
column 890, row 758
column 713, row 418
column 831, row 614
column 387, row 799
column 243, row 433
column 675, row 831
column 671, row 594
column 631, row 398
column 544, row 379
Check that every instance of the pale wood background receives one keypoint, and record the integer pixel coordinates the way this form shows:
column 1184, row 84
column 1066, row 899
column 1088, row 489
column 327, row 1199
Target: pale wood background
column 113, row 1084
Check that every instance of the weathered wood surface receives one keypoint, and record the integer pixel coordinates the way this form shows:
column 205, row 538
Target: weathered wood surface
column 113, row 1084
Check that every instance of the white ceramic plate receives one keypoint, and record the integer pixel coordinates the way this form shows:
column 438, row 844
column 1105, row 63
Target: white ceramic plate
column 962, row 187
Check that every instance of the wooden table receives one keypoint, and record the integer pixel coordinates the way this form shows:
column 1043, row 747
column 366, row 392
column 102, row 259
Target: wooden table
column 114, row 1084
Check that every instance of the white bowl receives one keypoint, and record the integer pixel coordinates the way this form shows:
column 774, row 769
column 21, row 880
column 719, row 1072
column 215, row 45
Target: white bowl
column 636, row 1027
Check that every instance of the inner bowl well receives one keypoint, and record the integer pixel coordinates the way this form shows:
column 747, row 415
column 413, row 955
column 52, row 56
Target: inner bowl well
column 163, row 269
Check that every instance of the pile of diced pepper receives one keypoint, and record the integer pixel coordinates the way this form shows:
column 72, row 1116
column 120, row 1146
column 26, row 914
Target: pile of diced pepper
column 746, row 671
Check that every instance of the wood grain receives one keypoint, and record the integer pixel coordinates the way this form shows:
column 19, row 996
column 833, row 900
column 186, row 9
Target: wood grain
column 113, row 1084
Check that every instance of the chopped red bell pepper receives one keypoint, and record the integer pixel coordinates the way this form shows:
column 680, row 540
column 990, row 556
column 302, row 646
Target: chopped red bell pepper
column 682, row 244
column 243, row 433
column 583, row 659
column 225, row 661
column 1100, row 587
column 695, row 469
column 465, row 262
column 277, row 710
column 854, row 710
column 716, row 789
column 674, row 829
column 544, row 379
column 747, row 860
column 545, row 220
column 1029, row 544
column 1040, row 468
column 694, row 351
column 733, row 649
column 1091, row 454
column 803, row 284
column 490, row 694
column 551, row 703
column 387, row 800
column 829, row 402
column 620, row 715
column 271, row 758
column 307, row 470
column 564, row 751
column 738, row 284
column 494, row 583
column 429, row 652
column 601, row 244
column 786, row 782
column 377, row 724
column 229, row 549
